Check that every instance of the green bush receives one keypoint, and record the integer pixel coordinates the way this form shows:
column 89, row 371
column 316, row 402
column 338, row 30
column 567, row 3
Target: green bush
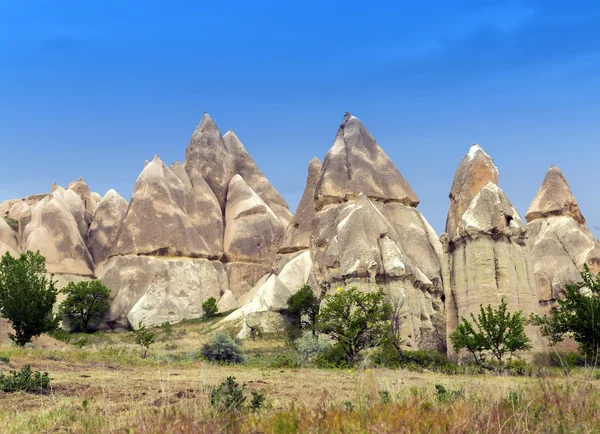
column 85, row 305
column 61, row 335
column 210, row 307
column 27, row 296
column 309, row 347
column 356, row 320
column 446, row 395
column 230, row 397
column 24, row 380
column 224, row 349
column 4, row 359
column 303, row 309
column 559, row 359
column 144, row 338
column 284, row 361
column 334, row 357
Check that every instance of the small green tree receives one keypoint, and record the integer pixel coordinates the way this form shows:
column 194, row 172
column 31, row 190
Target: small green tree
column 355, row 319
column 27, row 296
column 578, row 314
column 210, row 307
column 85, row 305
column 144, row 338
column 498, row 333
column 303, row 308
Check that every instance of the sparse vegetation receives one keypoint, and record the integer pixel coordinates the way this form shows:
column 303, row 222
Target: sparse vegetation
column 230, row 397
column 144, row 338
column 27, row 296
column 224, row 349
column 85, row 305
column 494, row 333
column 24, row 380
column 210, row 307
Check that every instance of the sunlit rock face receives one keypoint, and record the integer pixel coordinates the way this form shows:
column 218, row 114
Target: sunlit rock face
column 559, row 240
column 367, row 232
column 486, row 244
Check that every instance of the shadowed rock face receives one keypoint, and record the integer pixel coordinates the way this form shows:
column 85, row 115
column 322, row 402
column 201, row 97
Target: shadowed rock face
column 559, row 241
column 208, row 154
column 366, row 232
column 105, row 224
column 245, row 166
column 8, row 239
column 488, row 259
column 90, row 200
column 163, row 218
column 356, row 164
column 297, row 234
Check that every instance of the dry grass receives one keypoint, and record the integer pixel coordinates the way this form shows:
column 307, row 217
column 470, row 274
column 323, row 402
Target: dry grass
column 106, row 387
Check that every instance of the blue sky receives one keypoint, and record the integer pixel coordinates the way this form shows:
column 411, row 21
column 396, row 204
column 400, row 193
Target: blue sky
column 92, row 89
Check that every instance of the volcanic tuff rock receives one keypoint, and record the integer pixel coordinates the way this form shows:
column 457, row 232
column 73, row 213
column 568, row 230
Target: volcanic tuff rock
column 559, row 241
column 245, row 166
column 487, row 256
column 90, row 200
column 368, row 233
column 163, row 218
column 356, row 164
column 105, row 223
column 8, row 239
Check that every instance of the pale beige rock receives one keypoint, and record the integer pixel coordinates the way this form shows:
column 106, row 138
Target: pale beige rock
column 296, row 272
column 89, row 199
column 49, row 226
column 559, row 241
column 244, row 275
column 475, row 171
column 7, row 205
column 208, row 154
column 163, row 218
column 253, row 232
column 488, row 259
column 356, row 164
column 245, row 166
column 105, row 224
column 8, row 239
column 554, row 198
column 297, row 234
column 227, row 302
column 156, row 290
column 249, row 295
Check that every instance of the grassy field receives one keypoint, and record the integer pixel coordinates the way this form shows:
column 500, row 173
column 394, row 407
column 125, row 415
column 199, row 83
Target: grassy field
column 107, row 387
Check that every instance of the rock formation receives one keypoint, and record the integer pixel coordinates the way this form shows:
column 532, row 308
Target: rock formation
column 485, row 241
column 559, row 241
column 368, row 233
column 105, row 223
column 8, row 239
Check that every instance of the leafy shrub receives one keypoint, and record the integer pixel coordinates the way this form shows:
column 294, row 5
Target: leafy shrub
column 223, row 348
column 167, row 328
column 355, row 319
column 25, row 380
column 303, row 308
column 446, row 395
column 519, row 367
column 85, row 305
column 385, row 396
column 284, row 361
column 493, row 333
column 27, row 296
column 334, row 357
column 560, row 359
column 4, row 359
column 61, row 335
column 309, row 347
column 80, row 343
column 229, row 396
column 144, row 338
column 210, row 307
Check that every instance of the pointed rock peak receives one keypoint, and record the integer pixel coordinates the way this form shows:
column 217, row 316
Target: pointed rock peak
column 356, row 163
column 554, row 198
column 156, row 159
column 233, row 142
column 206, row 125
column 146, row 163
column 177, row 163
column 475, row 171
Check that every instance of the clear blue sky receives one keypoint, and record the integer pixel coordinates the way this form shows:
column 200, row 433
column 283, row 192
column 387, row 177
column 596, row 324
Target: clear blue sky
column 93, row 88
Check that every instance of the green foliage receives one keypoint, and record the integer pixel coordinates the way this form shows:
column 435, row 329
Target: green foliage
column 27, row 296
column 498, row 333
column 210, row 307
column 303, row 308
column 85, row 305
column 284, row 360
column 334, row 357
column 61, row 335
column 559, row 359
column 230, row 397
column 355, row 319
column 385, row 396
column 4, row 359
column 417, row 360
column 144, row 338
column 167, row 328
column 24, row 380
column 224, row 349
column 577, row 315
column 446, row 395
column 80, row 343
column 310, row 347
